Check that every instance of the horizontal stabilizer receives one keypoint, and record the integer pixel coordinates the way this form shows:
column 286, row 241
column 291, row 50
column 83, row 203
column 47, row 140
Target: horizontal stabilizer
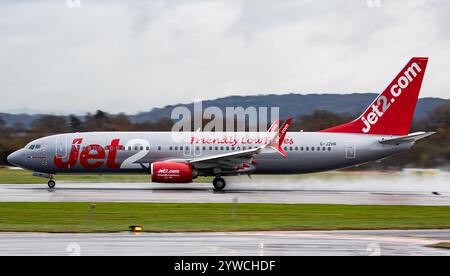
column 406, row 139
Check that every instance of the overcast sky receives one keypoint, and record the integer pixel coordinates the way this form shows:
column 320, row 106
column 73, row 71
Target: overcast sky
column 131, row 56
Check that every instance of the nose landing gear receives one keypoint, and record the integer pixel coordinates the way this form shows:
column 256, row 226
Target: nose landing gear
column 219, row 184
column 51, row 183
column 51, row 180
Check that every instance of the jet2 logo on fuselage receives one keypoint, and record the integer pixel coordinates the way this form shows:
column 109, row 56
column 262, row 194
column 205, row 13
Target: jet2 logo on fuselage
column 91, row 157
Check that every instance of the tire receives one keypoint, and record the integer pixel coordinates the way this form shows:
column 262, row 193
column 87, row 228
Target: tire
column 219, row 184
column 51, row 184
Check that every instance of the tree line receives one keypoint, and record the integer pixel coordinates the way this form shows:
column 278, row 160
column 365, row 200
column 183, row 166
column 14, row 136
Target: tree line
column 431, row 152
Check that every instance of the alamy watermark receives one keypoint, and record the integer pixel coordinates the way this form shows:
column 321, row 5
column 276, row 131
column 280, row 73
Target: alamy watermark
column 74, row 249
column 216, row 121
column 373, row 3
column 73, row 3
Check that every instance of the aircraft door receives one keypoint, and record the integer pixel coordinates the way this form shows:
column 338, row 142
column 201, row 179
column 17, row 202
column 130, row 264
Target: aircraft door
column 61, row 147
column 350, row 150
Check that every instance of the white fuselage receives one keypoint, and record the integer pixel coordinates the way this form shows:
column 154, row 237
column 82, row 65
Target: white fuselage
column 133, row 152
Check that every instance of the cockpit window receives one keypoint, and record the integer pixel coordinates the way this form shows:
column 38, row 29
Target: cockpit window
column 34, row 147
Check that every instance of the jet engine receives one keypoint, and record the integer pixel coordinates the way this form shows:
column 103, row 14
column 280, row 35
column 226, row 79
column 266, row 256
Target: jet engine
column 172, row 172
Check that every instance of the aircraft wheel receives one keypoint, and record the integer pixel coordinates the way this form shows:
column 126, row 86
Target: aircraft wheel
column 219, row 184
column 51, row 184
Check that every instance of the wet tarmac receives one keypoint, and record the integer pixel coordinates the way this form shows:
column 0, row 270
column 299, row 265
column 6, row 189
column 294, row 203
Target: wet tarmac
column 369, row 190
column 334, row 243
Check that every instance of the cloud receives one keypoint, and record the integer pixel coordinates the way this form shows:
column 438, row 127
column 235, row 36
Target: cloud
column 130, row 56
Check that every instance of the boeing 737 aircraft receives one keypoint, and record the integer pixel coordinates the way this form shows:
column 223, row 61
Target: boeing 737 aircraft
column 381, row 131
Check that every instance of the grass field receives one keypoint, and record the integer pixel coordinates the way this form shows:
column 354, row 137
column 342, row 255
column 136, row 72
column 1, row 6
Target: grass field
column 171, row 217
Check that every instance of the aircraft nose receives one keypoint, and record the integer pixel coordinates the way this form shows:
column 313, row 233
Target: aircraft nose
column 13, row 158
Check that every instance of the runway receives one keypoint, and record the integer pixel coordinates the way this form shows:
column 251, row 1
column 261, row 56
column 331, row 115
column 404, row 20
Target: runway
column 336, row 243
column 370, row 190
column 434, row 193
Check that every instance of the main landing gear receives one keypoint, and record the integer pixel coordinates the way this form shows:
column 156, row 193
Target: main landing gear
column 51, row 183
column 219, row 184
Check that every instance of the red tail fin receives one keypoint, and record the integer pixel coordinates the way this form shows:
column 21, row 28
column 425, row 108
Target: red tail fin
column 392, row 111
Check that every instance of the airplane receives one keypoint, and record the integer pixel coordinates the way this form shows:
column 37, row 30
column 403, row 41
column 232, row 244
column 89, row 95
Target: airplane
column 381, row 131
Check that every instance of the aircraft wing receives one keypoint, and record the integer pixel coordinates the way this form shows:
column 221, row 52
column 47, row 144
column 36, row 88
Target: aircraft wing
column 407, row 138
column 241, row 162
column 238, row 154
column 233, row 162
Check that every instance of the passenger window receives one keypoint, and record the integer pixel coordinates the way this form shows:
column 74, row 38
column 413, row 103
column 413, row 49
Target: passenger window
column 318, row 148
column 296, row 148
column 285, row 148
column 176, row 148
column 221, row 148
column 301, row 148
column 291, row 149
column 307, row 148
column 170, row 148
column 210, row 148
column 204, row 148
column 324, row 149
column 159, row 147
column 244, row 148
column 313, row 148
column 181, row 148
column 329, row 148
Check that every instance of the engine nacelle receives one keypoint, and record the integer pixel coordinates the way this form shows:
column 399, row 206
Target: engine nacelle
column 172, row 172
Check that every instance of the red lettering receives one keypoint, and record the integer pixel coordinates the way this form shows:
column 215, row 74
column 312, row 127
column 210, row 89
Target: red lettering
column 111, row 162
column 92, row 152
column 73, row 157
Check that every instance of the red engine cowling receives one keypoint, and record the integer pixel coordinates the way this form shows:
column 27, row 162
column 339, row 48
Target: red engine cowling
column 172, row 172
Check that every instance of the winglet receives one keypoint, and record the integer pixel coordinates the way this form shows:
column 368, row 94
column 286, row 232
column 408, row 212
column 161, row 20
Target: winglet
column 275, row 126
column 277, row 142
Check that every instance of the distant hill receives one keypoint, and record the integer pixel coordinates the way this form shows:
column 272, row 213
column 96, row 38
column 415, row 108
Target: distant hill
column 290, row 105
column 21, row 120
column 295, row 104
